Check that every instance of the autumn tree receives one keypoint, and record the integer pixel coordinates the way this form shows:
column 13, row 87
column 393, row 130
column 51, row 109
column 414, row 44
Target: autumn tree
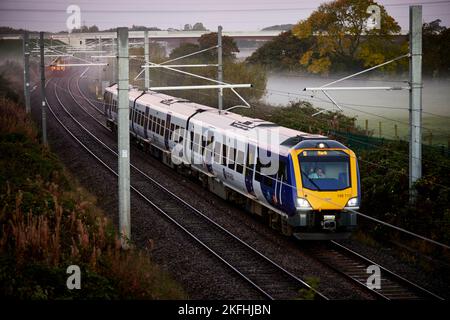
column 436, row 48
column 184, row 49
column 282, row 52
column 340, row 37
column 229, row 46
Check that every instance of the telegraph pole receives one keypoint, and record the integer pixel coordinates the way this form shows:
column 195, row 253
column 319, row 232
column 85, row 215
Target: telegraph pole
column 100, row 68
column 113, row 46
column 147, row 60
column 123, row 137
column 26, row 71
column 415, row 98
column 99, row 71
column 220, row 66
column 43, row 104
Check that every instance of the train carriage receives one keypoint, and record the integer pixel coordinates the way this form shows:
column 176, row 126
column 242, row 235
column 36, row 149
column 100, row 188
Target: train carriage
column 304, row 184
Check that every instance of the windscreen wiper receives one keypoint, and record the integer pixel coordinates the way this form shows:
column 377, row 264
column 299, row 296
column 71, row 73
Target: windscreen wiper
column 303, row 172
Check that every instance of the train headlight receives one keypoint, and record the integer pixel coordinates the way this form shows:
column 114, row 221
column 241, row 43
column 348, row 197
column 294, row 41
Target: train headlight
column 303, row 204
column 353, row 203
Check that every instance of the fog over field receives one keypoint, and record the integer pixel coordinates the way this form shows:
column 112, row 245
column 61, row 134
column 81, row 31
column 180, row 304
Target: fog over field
column 375, row 105
column 436, row 93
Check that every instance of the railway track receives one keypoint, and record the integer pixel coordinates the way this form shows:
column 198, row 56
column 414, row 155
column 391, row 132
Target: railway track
column 270, row 279
column 354, row 266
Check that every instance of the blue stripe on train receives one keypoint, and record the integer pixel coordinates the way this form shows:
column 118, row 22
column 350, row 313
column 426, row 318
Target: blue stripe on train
column 278, row 193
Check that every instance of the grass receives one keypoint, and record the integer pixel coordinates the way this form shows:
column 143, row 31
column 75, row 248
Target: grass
column 435, row 129
column 310, row 293
column 48, row 222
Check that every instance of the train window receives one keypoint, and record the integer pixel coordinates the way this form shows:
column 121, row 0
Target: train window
column 231, row 158
column 197, row 142
column 209, row 145
column 250, row 162
column 158, row 122
column 142, row 119
column 224, row 154
column 180, row 132
column 163, row 124
column 258, row 169
column 176, row 133
column 172, row 127
column 240, row 161
column 217, row 148
column 138, row 117
column 203, row 144
column 192, row 139
column 153, row 123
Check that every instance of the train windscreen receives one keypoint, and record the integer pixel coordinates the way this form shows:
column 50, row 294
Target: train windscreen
column 325, row 170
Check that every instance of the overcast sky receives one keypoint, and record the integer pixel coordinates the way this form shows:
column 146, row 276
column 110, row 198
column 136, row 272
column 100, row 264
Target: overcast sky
column 233, row 15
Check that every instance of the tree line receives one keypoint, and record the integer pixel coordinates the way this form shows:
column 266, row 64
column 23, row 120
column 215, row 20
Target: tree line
column 336, row 38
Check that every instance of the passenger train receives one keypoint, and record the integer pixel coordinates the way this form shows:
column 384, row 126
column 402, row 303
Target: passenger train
column 302, row 184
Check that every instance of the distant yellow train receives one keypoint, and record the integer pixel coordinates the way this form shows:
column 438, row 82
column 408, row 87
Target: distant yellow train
column 57, row 67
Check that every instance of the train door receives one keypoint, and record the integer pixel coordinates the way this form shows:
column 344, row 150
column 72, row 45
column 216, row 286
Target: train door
column 239, row 166
column 281, row 195
column 249, row 168
column 264, row 185
column 132, row 116
column 146, row 120
column 167, row 130
column 208, row 149
column 107, row 104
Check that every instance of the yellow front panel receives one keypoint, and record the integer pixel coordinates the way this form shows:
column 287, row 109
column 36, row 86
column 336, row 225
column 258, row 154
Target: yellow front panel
column 326, row 200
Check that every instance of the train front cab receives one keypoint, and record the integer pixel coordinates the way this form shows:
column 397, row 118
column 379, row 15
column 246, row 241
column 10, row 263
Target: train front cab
column 327, row 190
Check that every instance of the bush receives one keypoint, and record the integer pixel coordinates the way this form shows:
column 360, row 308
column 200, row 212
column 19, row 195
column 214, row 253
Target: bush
column 48, row 222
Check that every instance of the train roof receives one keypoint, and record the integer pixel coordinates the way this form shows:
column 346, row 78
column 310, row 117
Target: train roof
column 240, row 125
